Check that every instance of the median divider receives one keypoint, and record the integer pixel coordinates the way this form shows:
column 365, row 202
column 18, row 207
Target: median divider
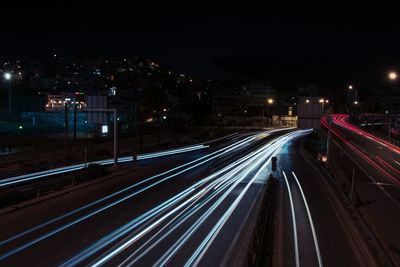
column 260, row 252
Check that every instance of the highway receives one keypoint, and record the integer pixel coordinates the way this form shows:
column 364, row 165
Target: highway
column 312, row 230
column 184, row 209
column 378, row 181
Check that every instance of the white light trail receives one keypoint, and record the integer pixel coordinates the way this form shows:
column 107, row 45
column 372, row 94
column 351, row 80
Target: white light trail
column 310, row 220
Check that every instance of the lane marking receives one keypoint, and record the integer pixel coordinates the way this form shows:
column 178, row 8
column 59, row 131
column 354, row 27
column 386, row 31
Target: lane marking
column 296, row 245
column 311, row 221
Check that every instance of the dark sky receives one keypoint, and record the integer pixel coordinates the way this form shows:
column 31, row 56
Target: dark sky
column 306, row 45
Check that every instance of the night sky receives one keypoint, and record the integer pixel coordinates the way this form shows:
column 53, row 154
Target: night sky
column 306, row 45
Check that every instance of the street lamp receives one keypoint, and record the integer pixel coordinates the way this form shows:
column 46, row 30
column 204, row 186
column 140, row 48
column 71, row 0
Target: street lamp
column 270, row 101
column 7, row 77
column 350, row 87
column 392, row 76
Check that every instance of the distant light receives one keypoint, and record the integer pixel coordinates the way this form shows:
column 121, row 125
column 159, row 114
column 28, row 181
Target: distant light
column 321, row 100
column 104, row 129
column 245, row 111
column 20, row 127
column 387, row 111
column 164, row 117
column 327, row 101
column 270, row 101
column 350, row 87
column 392, row 75
column 7, row 76
column 355, row 102
column 307, row 101
column 55, row 55
column 164, row 109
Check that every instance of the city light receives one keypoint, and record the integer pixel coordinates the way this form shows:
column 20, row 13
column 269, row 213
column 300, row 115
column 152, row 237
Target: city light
column 327, row 101
column 7, row 76
column 350, row 87
column 270, row 101
column 321, row 100
column 392, row 75
column 307, row 101
column 355, row 102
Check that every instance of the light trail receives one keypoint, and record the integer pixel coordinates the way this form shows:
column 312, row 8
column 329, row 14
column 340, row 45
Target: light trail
column 341, row 119
column 34, row 176
column 310, row 220
column 129, row 227
column 296, row 244
column 362, row 154
column 206, row 243
column 201, row 161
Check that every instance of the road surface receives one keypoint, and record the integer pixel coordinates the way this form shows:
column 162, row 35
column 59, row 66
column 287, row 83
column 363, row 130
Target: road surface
column 377, row 182
column 179, row 210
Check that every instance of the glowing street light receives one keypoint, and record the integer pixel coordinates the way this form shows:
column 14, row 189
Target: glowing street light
column 8, row 77
column 307, row 101
column 392, row 76
column 355, row 102
column 270, row 101
column 350, row 87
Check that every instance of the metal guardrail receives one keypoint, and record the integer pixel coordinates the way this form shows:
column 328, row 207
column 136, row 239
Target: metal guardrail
column 19, row 193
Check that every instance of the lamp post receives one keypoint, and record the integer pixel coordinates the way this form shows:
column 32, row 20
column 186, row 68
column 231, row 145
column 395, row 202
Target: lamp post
column 351, row 87
column 8, row 77
column 270, row 101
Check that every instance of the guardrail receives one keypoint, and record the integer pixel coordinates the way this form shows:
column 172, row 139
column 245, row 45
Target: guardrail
column 261, row 245
column 17, row 194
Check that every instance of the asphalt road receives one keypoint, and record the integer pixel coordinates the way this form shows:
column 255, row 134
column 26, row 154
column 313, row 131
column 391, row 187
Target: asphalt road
column 183, row 209
column 310, row 229
column 377, row 181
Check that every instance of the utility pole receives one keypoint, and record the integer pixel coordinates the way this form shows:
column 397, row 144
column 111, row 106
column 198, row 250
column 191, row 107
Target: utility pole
column 9, row 97
column 328, row 142
column 66, row 129
column 116, row 144
column 75, row 110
